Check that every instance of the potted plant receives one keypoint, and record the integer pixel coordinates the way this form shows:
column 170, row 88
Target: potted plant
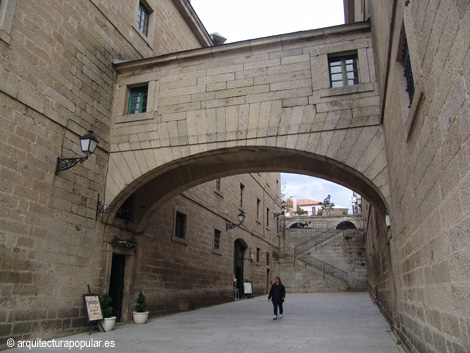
column 109, row 319
column 140, row 315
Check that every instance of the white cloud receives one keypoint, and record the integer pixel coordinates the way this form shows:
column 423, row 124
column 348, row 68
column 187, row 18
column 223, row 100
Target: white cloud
column 307, row 187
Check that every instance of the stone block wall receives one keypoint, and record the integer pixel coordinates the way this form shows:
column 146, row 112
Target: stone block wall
column 427, row 246
column 56, row 82
column 183, row 274
column 243, row 106
column 379, row 263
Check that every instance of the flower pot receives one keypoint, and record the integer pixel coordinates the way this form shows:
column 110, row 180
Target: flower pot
column 108, row 323
column 140, row 318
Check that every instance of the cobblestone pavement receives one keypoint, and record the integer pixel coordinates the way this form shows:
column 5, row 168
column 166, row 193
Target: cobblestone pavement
column 313, row 323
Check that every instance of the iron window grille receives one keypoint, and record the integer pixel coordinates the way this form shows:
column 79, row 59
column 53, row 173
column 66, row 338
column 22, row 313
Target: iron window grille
column 180, row 225
column 410, row 85
column 143, row 19
column 137, row 100
column 217, row 239
column 344, row 71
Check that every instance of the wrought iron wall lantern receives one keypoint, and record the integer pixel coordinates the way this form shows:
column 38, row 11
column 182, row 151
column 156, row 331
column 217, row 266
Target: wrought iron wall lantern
column 282, row 213
column 241, row 219
column 88, row 144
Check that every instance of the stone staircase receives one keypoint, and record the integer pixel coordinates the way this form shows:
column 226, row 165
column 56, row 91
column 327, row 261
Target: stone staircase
column 315, row 241
column 322, row 260
column 299, row 277
column 325, row 267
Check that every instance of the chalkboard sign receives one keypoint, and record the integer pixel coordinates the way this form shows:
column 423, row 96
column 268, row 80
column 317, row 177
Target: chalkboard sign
column 93, row 307
column 247, row 288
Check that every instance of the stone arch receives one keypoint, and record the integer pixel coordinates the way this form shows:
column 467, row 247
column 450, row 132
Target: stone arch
column 161, row 184
column 345, row 225
column 296, row 225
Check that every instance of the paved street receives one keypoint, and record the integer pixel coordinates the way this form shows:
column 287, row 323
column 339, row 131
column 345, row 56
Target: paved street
column 320, row 322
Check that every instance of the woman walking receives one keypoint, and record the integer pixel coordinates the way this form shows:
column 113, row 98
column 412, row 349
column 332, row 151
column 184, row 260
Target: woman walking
column 278, row 294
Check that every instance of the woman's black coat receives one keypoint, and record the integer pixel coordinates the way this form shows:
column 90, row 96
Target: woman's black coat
column 277, row 292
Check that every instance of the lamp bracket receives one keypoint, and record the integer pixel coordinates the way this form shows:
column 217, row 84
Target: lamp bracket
column 232, row 225
column 67, row 163
column 101, row 207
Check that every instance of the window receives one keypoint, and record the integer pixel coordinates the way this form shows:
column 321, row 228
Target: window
column 180, row 225
column 217, row 184
column 217, row 239
column 258, row 203
column 242, row 189
column 343, row 71
column 257, row 254
column 143, row 18
column 410, row 85
column 267, row 258
column 267, row 217
column 137, row 100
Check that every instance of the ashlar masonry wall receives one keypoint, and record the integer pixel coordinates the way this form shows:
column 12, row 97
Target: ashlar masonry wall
column 179, row 274
column 56, row 82
column 427, row 143
column 269, row 95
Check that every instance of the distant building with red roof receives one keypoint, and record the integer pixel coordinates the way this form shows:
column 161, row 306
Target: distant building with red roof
column 311, row 207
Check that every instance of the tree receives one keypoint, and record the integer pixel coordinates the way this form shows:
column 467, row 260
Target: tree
column 289, row 205
column 300, row 211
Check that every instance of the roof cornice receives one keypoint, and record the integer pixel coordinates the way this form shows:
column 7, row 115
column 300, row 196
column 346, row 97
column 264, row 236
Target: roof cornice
column 192, row 19
column 245, row 45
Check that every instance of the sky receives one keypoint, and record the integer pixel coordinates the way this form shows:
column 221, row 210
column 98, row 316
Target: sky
column 247, row 19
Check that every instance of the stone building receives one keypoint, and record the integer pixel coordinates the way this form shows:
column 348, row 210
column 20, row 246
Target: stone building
column 418, row 256
column 57, row 82
column 379, row 105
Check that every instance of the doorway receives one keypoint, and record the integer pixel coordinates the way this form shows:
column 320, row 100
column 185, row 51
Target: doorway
column 238, row 256
column 116, row 284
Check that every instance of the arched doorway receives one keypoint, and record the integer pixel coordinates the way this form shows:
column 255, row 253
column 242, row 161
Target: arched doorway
column 238, row 259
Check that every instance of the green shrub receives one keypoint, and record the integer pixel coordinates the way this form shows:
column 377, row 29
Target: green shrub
column 141, row 303
column 106, row 301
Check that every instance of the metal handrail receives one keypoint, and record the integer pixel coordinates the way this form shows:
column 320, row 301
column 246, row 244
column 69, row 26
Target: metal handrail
column 325, row 267
column 314, row 241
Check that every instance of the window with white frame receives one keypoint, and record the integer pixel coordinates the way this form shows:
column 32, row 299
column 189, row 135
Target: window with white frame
column 143, row 17
column 344, row 70
column 137, row 101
